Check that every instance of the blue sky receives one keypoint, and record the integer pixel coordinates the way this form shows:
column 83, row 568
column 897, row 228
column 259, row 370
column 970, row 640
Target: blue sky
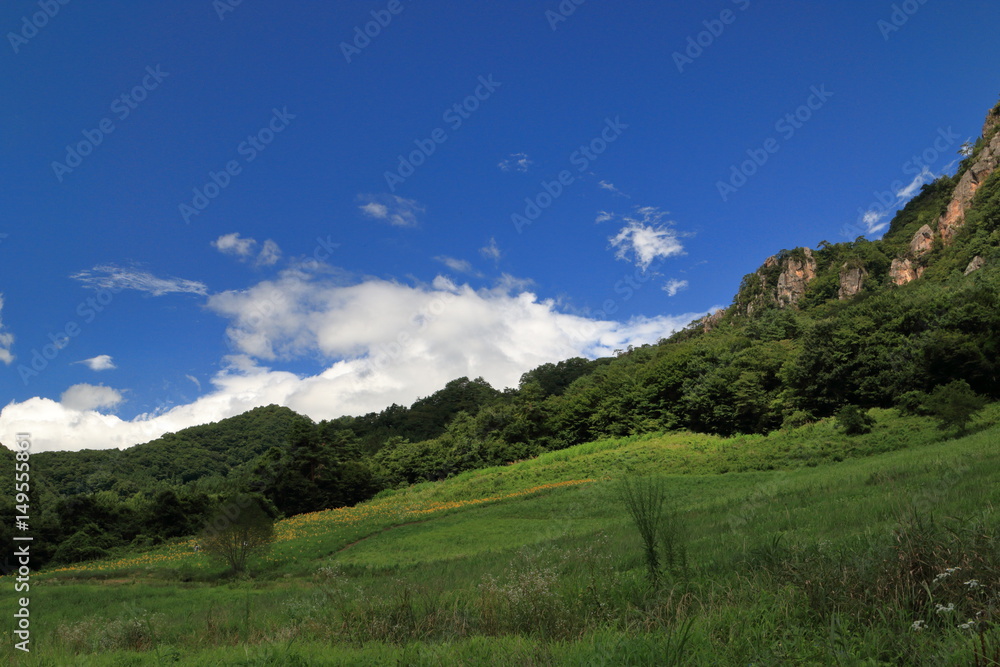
column 205, row 210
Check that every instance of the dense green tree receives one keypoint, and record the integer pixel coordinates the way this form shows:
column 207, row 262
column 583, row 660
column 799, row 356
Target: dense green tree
column 955, row 404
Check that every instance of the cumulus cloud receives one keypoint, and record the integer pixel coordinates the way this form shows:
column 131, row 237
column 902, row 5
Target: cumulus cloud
column 6, row 340
column 117, row 278
column 377, row 342
column 102, row 362
column 674, row 286
column 88, row 397
column 516, row 162
column 397, row 211
column 646, row 238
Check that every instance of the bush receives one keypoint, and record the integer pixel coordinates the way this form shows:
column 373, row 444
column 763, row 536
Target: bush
column 854, row 420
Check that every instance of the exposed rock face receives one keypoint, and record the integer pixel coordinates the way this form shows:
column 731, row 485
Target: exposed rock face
column 986, row 163
column 922, row 241
column 902, row 271
column 795, row 277
column 709, row 322
column 976, row 264
column 992, row 120
column 852, row 280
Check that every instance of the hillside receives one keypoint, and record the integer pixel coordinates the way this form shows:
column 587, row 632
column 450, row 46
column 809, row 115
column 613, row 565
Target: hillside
column 859, row 325
column 537, row 563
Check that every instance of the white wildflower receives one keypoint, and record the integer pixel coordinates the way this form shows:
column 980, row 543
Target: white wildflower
column 917, row 626
column 941, row 609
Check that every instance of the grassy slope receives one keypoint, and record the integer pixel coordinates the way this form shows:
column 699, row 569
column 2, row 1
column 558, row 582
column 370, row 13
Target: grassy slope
column 445, row 552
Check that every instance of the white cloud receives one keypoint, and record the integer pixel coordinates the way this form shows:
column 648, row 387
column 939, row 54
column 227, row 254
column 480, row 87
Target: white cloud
column 269, row 254
column 232, row 244
column 375, row 210
column 925, row 176
column 610, row 187
column 102, row 362
column 603, row 216
column 379, row 343
column 674, row 286
column 87, row 397
column 397, row 211
column 6, row 340
column 646, row 238
column 118, row 278
column 244, row 249
column 459, row 265
column 195, row 380
column 491, row 251
column 516, row 162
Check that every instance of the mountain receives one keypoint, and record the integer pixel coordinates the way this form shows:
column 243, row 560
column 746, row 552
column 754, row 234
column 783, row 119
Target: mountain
column 858, row 325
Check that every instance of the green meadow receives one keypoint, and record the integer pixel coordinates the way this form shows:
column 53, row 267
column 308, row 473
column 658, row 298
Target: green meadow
column 802, row 547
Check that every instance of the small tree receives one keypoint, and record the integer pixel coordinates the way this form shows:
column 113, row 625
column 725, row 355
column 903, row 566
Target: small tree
column 955, row 404
column 854, row 420
column 237, row 531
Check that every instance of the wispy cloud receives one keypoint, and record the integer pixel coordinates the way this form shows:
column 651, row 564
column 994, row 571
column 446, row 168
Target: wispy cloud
column 646, row 238
column 195, row 380
column 102, row 362
column 397, row 211
column 674, row 286
column 269, row 254
column 245, row 248
column 610, row 187
column 603, row 216
column 109, row 276
column 459, row 265
column 6, row 340
column 516, row 162
column 491, row 251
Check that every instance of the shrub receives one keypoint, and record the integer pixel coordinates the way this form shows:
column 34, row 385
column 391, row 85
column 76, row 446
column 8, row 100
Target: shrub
column 854, row 420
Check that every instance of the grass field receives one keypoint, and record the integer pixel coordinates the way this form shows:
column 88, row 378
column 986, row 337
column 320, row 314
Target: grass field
column 803, row 547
